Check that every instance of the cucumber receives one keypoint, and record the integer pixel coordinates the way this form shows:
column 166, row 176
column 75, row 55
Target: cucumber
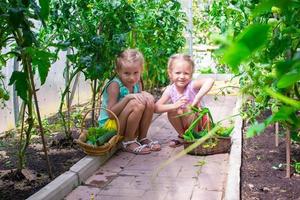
column 105, row 137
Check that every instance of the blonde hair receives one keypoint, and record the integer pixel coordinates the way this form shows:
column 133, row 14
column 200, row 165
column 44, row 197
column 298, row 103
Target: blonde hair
column 182, row 57
column 128, row 57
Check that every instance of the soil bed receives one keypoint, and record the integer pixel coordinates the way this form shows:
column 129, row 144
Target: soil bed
column 61, row 156
column 263, row 173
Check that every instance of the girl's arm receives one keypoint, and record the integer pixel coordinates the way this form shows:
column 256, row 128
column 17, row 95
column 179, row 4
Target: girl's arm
column 112, row 102
column 161, row 107
column 203, row 85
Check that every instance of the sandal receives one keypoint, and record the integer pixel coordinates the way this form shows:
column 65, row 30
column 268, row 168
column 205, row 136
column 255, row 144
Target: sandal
column 153, row 145
column 140, row 150
column 176, row 142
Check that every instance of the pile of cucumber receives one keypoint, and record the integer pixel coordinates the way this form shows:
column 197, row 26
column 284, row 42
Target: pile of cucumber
column 98, row 136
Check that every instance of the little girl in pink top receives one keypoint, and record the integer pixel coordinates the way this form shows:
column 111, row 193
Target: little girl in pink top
column 181, row 94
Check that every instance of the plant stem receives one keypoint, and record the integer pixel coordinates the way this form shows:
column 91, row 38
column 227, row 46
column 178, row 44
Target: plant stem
column 39, row 121
column 68, row 135
column 288, row 153
column 94, row 102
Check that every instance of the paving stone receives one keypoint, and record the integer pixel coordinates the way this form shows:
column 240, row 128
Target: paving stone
column 115, row 197
column 155, row 194
column 175, row 182
column 122, row 181
column 84, row 193
column 118, row 161
column 172, row 195
column 100, row 179
column 219, row 158
column 213, row 182
column 168, row 171
column 128, row 176
column 126, row 192
column 214, row 167
column 205, row 194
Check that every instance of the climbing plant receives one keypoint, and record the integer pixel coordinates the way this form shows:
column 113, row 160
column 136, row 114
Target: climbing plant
column 158, row 31
column 19, row 35
column 96, row 31
column 263, row 50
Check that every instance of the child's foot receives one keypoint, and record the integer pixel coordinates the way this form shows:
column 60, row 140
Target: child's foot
column 153, row 145
column 176, row 142
column 135, row 147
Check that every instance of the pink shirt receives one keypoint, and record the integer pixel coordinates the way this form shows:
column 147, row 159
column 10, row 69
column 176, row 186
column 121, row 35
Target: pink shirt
column 189, row 93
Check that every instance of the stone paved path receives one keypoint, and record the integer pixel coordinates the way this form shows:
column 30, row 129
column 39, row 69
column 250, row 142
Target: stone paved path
column 129, row 176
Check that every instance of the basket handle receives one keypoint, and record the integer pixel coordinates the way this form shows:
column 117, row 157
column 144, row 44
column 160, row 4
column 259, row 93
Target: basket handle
column 99, row 108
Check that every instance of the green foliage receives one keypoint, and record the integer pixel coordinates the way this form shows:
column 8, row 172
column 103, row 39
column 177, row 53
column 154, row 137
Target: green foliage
column 297, row 167
column 205, row 70
column 99, row 135
column 20, row 79
column 19, row 35
column 191, row 134
column 158, row 32
column 263, row 49
column 96, row 29
column 244, row 46
column 99, row 30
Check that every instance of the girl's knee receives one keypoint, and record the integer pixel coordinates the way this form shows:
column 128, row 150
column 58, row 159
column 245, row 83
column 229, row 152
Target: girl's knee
column 172, row 113
column 136, row 105
column 150, row 106
column 140, row 107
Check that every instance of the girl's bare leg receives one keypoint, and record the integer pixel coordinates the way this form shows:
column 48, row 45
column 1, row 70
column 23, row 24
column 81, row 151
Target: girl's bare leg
column 129, row 122
column 144, row 127
column 187, row 120
column 176, row 122
column 129, row 119
column 146, row 120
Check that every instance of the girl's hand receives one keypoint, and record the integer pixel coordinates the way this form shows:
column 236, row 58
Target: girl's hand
column 195, row 103
column 138, row 96
column 181, row 102
column 148, row 97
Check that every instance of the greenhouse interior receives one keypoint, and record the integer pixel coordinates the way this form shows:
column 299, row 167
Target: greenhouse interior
column 152, row 99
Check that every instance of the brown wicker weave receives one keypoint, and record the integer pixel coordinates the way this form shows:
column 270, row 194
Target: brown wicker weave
column 98, row 150
column 223, row 146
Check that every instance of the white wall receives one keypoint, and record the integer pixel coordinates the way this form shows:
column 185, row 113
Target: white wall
column 48, row 94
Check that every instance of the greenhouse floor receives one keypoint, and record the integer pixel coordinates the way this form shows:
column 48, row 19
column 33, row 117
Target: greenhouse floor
column 129, row 176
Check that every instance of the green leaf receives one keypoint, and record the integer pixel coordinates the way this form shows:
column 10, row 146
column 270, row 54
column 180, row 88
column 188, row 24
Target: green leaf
column 263, row 7
column 295, row 136
column 255, row 129
column 284, row 67
column 283, row 98
column 282, row 115
column 235, row 55
column 20, row 81
column 290, row 78
column 44, row 8
column 41, row 60
column 254, row 36
column 16, row 17
column 247, row 42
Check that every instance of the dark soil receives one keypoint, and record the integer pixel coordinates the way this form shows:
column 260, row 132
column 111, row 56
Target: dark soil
column 263, row 172
column 62, row 156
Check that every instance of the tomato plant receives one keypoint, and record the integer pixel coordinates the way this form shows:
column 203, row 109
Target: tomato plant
column 263, row 50
column 19, row 34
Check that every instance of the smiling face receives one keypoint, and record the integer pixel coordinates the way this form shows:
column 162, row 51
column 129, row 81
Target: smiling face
column 180, row 73
column 130, row 74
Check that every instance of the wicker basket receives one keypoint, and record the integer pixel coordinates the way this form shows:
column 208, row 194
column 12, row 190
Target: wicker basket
column 98, row 150
column 222, row 145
